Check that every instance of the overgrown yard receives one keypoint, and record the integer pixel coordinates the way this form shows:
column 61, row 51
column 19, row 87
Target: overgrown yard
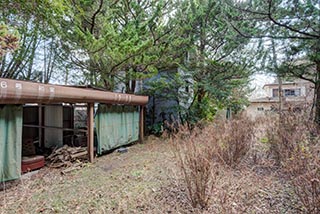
column 116, row 183
column 233, row 167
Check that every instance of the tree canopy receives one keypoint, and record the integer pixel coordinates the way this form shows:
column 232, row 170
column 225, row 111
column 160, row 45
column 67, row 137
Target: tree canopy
column 105, row 42
column 295, row 26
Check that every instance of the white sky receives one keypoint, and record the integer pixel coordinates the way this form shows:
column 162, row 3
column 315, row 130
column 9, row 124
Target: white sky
column 257, row 82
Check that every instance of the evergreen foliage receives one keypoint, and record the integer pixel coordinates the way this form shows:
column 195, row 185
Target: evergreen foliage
column 108, row 42
column 295, row 25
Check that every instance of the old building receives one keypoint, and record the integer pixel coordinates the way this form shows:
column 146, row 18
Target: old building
column 170, row 95
column 297, row 94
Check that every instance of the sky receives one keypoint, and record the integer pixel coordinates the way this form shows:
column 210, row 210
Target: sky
column 257, row 82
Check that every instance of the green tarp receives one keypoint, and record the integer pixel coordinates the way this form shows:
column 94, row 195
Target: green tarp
column 116, row 126
column 10, row 142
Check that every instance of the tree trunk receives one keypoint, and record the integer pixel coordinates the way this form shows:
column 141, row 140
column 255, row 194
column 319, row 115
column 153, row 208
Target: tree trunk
column 133, row 86
column 130, row 87
column 281, row 97
column 199, row 108
column 127, row 90
column 201, row 95
column 275, row 64
column 66, row 78
column 317, row 93
column 107, row 85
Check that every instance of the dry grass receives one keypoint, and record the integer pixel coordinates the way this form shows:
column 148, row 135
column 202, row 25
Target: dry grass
column 116, row 183
column 234, row 140
column 295, row 144
column 219, row 168
column 223, row 172
column 194, row 155
column 201, row 153
column 289, row 133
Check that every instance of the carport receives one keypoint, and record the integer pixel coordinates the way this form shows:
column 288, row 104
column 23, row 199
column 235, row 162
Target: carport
column 16, row 92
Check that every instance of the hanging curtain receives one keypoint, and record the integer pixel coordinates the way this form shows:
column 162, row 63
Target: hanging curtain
column 116, row 126
column 10, row 142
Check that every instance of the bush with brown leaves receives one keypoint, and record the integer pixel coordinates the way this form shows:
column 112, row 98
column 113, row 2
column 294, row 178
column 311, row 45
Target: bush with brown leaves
column 200, row 153
column 288, row 133
column 295, row 145
column 234, row 141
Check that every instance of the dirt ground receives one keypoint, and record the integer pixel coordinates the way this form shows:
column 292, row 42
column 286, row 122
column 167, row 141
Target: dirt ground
column 143, row 180
column 116, row 183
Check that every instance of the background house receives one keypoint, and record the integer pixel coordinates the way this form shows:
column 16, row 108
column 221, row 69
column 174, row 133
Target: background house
column 170, row 95
column 297, row 94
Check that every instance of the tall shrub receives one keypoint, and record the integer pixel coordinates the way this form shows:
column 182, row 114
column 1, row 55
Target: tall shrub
column 201, row 153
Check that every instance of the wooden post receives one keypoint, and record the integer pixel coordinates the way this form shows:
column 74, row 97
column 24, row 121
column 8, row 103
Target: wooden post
column 41, row 123
column 90, row 134
column 141, row 124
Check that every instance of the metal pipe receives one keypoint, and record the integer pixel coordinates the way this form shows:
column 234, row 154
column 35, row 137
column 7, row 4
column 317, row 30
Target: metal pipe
column 21, row 92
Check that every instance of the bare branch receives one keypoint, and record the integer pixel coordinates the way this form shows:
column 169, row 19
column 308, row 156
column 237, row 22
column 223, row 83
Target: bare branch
column 312, row 36
column 93, row 18
column 305, row 78
column 268, row 36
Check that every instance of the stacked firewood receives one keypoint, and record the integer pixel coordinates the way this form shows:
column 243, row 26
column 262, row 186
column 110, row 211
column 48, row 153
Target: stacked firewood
column 66, row 156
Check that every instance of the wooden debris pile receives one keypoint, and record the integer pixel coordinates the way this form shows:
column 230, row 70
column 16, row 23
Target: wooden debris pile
column 66, row 156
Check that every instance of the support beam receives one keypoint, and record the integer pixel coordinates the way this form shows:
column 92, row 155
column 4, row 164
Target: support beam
column 20, row 92
column 40, row 130
column 141, row 124
column 90, row 134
